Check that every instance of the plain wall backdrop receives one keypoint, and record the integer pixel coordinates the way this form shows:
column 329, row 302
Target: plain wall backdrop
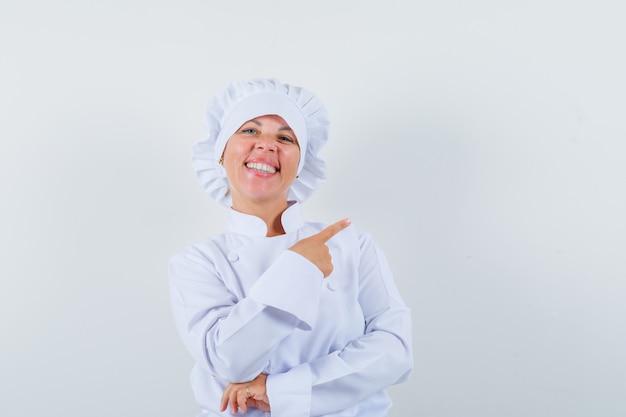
column 482, row 143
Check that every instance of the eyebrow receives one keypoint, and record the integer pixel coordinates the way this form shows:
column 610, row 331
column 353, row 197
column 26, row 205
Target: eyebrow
column 285, row 127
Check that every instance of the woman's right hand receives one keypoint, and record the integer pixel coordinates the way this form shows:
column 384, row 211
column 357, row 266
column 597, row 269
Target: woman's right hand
column 314, row 247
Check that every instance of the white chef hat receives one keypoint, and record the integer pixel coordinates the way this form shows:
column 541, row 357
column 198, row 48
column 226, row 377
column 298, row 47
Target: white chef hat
column 244, row 100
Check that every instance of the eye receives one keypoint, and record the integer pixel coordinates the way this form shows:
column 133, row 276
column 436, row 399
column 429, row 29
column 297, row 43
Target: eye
column 287, row 139
column 249, row 130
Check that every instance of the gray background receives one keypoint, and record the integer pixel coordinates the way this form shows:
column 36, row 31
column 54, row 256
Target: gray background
column 482, row 143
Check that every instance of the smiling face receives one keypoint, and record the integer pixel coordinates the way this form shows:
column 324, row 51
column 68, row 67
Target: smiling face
column 261, row 161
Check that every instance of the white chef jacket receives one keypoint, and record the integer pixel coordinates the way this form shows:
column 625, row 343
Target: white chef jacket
column 244, row 304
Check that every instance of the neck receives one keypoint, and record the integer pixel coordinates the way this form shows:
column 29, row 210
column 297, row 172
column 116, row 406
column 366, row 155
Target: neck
column 269, row 213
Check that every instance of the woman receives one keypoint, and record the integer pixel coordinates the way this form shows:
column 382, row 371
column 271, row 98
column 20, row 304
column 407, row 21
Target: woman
column 283, row 317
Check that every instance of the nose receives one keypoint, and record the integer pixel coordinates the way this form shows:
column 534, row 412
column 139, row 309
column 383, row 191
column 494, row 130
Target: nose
column 266, row 142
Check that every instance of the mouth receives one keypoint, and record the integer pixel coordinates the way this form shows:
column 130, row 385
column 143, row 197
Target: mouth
column 260, row 167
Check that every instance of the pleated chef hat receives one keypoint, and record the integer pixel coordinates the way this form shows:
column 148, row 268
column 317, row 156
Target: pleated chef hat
column 244, row 100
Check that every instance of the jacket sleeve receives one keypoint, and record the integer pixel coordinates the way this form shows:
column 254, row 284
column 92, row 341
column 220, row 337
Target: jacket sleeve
column 217, row 327
column 381, row 357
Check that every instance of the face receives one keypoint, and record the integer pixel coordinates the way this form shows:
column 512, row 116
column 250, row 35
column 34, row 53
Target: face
column 261, row 161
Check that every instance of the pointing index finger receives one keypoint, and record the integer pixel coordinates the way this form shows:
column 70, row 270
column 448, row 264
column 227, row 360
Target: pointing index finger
column 333, row 229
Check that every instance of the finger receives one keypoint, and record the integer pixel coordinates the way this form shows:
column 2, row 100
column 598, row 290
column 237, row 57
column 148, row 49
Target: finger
column 261, row 405
column 224, row 401
column 333, row 229
column 242, row 400
column 233, row 402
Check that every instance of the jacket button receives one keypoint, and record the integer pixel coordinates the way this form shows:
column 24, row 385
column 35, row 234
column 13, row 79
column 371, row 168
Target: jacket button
column 233, row 257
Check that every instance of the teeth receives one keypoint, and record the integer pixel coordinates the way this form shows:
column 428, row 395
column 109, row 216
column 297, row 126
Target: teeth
column 261, row 167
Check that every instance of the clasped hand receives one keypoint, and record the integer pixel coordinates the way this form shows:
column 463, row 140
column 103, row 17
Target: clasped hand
column 246, row 394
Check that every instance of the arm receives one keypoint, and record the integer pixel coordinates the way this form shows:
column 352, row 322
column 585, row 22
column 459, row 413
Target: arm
column 217, row 328
column 367, row 365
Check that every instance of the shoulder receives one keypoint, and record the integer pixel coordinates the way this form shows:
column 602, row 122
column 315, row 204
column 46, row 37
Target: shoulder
column 204, row 251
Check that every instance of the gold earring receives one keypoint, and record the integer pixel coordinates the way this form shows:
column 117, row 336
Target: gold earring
column 221, row 161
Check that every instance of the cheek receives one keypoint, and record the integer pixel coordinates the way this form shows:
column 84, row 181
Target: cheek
column 234, row 149
column 295, row 157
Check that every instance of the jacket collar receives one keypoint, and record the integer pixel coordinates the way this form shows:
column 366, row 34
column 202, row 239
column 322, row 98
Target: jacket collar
column 249, row 225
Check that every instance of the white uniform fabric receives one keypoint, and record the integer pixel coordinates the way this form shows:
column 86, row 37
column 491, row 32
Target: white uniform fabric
column 244, row 304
